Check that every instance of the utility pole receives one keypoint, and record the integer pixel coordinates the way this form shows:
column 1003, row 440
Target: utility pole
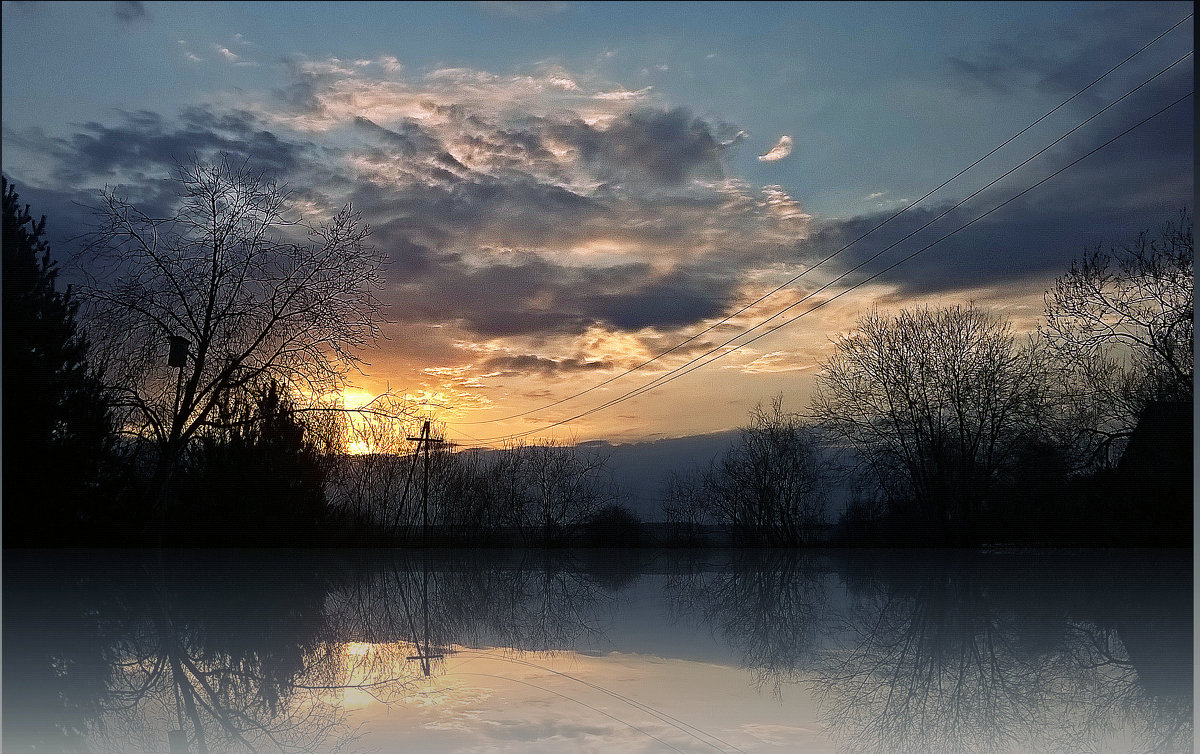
column 424, row 440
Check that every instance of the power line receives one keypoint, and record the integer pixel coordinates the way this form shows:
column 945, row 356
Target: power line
column 647, row 388
column 664, row 377
column 692, row 365
column 792, row 280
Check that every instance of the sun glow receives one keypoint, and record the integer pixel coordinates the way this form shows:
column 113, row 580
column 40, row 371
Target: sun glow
column 368, row 433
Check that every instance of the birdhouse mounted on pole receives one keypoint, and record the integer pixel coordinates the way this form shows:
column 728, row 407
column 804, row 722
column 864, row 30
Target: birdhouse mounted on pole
column 179, row 351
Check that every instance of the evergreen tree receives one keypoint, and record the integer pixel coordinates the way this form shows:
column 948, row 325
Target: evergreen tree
column 57, row 425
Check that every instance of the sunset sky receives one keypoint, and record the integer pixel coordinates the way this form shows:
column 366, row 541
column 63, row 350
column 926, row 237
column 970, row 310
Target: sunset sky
column 565, row 190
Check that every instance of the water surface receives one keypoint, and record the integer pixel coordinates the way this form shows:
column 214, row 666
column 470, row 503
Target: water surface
column 598, row 651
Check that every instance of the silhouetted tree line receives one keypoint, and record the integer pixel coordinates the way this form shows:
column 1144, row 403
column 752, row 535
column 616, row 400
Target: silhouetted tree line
column 768, row 489
column 948, row 429
column 199, row 406
column 534, row 494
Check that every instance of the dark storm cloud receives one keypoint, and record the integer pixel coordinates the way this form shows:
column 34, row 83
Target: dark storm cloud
column 407, row 259
column 301, row 93
column 130, row 12
column 480, row 210
column 532, row 364
column 486, row 243
column 510, row 150
column 67, row 214
column 682, row 298
column 407, row 137
column 1067, row 56
column 533, row 296
column 660, row 146
column 529, row 296
column 487, row 246
column 144, row 141
column 1133, row 185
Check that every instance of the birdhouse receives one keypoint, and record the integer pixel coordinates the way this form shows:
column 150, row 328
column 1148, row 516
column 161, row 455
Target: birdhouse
column 179, row 351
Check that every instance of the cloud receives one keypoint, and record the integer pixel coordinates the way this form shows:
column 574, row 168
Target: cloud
column 659, row 146
column 546, row 232
column 782, row 149
column 185, row 48
column 325, row 92
column 775, row 362
column 129, row 12
column 1034, row 239
column 144, row 143
column 230, row 56
column 622, row 95
column 531, row 363
column 783, row 206
column 541, row 225
column 564, row 82
column 1055, row 58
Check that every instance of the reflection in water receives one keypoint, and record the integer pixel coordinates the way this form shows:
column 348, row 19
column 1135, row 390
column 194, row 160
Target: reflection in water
column 900, row 651
column 771, row 605
column 966, row 652
column 135, row 654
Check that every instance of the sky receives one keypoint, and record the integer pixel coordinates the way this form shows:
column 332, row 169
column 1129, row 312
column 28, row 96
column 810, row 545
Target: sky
column 567, row 190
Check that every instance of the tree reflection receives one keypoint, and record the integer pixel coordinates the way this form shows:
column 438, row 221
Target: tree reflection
column 227, row 684
column 770, row 606
column 533, row 601
column 211, row 652
column 198, row 654
column 964, row 652
column 967, row 654
column 931, row 670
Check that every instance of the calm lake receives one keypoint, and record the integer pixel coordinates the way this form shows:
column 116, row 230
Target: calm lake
column 729, row 651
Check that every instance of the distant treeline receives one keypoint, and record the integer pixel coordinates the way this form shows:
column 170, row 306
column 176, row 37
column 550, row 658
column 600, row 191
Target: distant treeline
column 946, row 426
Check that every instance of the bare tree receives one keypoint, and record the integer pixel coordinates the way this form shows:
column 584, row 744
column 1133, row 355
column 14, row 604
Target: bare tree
column 374, row 483
column 685, row 505
column 769, row 485
column 258, row 293
column 565, row 485
column 768, row 488
column 1120, row 325
column 935, row 404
